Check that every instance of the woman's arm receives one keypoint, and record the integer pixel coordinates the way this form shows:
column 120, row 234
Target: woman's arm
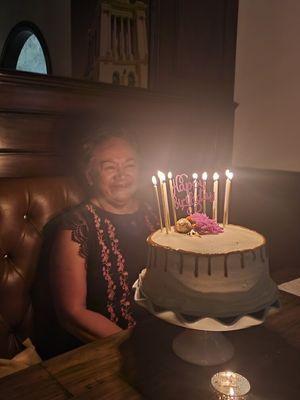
column 68, row 284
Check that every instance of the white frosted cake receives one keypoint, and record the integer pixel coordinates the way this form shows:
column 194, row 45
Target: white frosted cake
column 223, row 275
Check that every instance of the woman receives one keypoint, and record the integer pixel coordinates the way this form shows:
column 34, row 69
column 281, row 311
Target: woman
column 98, row 250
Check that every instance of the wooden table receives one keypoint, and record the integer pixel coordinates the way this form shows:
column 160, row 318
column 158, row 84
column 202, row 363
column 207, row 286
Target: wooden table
column 141, row 364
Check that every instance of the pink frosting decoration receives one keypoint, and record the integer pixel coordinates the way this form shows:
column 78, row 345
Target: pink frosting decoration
column 123, row 274
column 204, row 224
column 105, row 258
column 106, row 254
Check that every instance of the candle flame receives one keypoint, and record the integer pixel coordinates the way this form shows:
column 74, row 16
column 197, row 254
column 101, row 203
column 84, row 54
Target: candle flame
column 154, row 180
column 216, row 176
column 161, row 176
column 195, row 176
column 229, row 174
column 170, row 175
column 204, row 176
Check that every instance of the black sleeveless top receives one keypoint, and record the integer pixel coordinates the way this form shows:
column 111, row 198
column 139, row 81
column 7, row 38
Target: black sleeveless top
column 114, row 249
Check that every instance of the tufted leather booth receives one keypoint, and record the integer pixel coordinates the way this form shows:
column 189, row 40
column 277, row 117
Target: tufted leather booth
column 26, row 205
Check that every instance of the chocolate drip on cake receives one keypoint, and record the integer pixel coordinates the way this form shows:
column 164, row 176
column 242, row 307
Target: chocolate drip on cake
column 262, row 254
column 253, row 255
column 166, row 260
column 155, row 256
column 209, row 265
column 196, row 266
column 226, row 266
column 242, row 260
column 181, row 264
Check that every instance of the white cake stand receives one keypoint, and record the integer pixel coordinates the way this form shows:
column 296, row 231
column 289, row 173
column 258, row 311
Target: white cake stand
column 202, row 343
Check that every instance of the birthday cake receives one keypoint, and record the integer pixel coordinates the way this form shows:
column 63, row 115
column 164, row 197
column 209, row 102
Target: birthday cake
column 200, row 269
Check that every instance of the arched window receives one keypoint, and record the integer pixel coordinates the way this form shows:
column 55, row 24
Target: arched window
column 25, row 50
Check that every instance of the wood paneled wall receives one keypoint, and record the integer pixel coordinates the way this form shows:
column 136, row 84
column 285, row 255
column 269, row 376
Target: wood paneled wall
column 39, row 117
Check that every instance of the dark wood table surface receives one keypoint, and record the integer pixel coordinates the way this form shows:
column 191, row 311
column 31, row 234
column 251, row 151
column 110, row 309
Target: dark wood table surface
column 140, row 364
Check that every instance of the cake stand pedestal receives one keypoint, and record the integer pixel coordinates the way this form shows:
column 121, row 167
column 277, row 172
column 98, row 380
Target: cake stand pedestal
column 202, row 343
column 203, row 347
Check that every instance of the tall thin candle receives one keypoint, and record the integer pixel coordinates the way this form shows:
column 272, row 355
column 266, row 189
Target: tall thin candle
column 216, row 195
column 229, row 176
column 172, row 196
column 162, row 179
column 195, row 177
column 154, row 181
column 204, row 179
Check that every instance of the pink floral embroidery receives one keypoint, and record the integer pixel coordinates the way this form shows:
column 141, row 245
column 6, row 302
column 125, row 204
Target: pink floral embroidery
column 105, row 258
column 123, row 274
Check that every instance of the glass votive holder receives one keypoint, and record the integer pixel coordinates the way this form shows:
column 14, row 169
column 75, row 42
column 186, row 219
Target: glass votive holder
column 229, row 385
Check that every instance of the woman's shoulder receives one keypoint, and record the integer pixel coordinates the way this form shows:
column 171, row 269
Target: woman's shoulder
column 69, row 219
column 73, row 217
column 76, row 220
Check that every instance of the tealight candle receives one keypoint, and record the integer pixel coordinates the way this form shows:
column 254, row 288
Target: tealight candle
column 172, row 196
column 229, row 385
column 154, row 181
column 204, row 179
column 216, row 194
column 229, row 176
column 195, row 177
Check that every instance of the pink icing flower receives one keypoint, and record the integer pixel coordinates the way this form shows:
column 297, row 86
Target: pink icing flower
column 204, row 225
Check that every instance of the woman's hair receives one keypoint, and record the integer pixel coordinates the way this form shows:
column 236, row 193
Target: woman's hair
column 100, row 137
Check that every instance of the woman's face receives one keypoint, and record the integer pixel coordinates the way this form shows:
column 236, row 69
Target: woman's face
column 114, row 171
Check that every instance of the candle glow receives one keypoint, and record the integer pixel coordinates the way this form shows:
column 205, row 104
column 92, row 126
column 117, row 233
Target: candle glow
column 230, row 385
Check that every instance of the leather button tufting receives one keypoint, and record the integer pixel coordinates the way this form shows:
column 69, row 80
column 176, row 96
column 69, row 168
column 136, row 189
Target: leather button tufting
column 25, row 216
column 5, row 256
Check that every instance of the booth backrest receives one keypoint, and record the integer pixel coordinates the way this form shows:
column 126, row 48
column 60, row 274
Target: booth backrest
column 26, row 205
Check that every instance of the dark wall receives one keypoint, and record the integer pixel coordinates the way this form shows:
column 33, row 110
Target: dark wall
column 268, row 201
column 41, row 117
column 192, row 55
column 82, row 13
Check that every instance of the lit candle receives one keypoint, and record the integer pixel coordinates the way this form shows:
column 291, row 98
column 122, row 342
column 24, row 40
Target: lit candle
column 229, row 176
column 163, row 187
column 204, row 179
column 189, row 200
column 172, row 196
column 154, row 181
column 195, row 177
column 216, row 193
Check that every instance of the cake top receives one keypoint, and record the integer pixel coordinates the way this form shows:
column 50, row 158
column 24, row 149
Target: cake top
column 234, row 239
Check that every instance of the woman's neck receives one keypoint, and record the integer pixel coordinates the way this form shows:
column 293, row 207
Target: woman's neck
column 130, row 207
